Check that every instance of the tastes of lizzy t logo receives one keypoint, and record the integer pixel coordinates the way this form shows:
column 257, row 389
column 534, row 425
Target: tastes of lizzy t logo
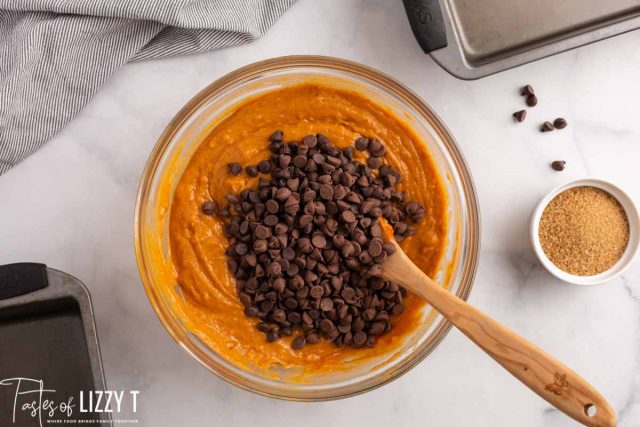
column 31, row 399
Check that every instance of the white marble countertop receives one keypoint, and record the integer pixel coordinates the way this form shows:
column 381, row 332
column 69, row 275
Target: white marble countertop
column 71, row 205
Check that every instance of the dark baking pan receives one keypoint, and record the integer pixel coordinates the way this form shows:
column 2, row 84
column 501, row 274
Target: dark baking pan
column 475, row 38
column 48, row 334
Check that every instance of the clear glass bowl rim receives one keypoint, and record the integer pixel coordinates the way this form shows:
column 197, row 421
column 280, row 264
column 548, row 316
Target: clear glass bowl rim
column 471, row 246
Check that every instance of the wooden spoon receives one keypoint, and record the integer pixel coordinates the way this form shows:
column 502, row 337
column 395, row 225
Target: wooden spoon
column 539, row 371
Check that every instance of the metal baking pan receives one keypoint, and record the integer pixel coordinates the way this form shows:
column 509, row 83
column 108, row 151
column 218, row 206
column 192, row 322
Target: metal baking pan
column 475, row 38
column 48, row 334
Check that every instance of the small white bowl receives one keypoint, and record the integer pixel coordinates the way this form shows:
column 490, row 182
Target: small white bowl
column 632, row 245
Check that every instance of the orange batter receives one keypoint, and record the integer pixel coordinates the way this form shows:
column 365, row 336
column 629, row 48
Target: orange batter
column 213, row 310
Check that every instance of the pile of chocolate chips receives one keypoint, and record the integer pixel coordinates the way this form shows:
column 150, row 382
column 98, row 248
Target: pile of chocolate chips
column 306, row 248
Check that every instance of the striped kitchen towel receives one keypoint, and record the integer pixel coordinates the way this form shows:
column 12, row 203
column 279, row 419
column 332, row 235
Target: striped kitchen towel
column 56, row 54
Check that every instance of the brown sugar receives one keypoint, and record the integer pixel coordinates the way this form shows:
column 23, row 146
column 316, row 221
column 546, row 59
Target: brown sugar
column 584, row 231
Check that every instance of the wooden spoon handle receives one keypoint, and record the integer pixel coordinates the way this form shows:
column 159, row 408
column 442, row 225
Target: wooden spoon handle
column 542, row 373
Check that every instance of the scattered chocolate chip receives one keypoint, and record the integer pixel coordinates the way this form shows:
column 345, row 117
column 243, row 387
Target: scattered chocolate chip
column 252, row 171
column 376, row 147
column 526, row 90
column 547, row 127
column 560, row 123
column 361, row 143
column 558, row 165
column 264, row 166
column 209, row 207
column 532, row 100
column 234, row 168
column 520, row 115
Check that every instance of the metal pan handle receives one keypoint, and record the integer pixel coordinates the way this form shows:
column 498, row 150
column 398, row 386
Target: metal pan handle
column 21, row 278
column 427, row 23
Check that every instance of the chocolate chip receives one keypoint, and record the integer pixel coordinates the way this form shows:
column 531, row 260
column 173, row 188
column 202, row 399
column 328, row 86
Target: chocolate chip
column 326, row 304
column 375, row 270
column 279, row 315
column 348, row 216
column 264, row 166
column 397, row 309
column 312, row 338
column 560, row 123
column 300, row 161
column 362, row 143
column 310, row 141
column 376, row 328
column 251, row 311
column 298, row 342
column 359, row 338
column 262, row 232
column 316, row 291
column 326, row 325
column 264, row 327
column 245, row 298
column 547, row 127
column 279, row 284
column 375, row 247
column 319, row 241
column 209, row 207
column 376, row 148
column 252, row 171
column 558, row 165
column 234, row 168
column 271, row 220
column 532, row 100
column 291, row 303
column 286, row 331
column 326, row 192
column 241, row 248
column 526, row 90
column 277, row 136
column 272, row 206
column 348, row 294
column 369, row 314
column 272, row 336
column 284, row 160
column 374, row 162
column 318, row 159
column 520, row 115
column 283, row 194
column 389, row 248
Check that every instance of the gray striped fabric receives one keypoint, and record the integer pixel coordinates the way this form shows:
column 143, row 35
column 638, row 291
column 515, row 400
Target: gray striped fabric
column 56, row 54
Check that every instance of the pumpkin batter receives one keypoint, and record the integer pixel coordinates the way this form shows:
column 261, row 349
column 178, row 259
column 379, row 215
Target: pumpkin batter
column 211, row 308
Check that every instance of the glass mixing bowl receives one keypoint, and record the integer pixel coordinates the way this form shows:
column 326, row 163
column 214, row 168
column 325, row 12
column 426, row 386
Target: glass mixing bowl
column 191, row 125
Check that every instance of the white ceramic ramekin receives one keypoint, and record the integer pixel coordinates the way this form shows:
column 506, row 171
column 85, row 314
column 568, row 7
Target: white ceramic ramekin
column 623, row 262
